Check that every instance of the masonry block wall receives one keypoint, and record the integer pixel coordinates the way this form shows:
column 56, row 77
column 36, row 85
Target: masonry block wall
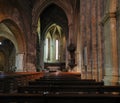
column 91, row 13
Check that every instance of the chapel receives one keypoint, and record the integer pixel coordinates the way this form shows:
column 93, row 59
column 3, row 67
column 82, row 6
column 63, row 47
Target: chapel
column 61, row 36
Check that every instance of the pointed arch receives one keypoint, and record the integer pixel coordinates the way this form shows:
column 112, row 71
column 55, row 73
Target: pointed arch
column 41, row 5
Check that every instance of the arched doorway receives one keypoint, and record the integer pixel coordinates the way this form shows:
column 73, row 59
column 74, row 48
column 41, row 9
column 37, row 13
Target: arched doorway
column 7, row 55
column 2, row 61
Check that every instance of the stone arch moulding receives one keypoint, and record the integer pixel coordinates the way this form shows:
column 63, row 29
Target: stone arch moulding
column 40, row 6
column 18, row 40
column 48, row 26
column 8, row 36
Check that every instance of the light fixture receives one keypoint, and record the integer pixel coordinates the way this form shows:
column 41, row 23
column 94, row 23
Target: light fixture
column 0, row 43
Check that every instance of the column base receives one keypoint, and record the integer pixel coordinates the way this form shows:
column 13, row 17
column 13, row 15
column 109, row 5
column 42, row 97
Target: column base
column 19, row 70
column 110, row 80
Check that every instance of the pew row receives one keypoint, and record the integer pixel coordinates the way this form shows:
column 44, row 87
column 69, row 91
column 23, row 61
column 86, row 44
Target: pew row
column 60, row 98
column 70, row 89
column 66, row 82
column 10, row 81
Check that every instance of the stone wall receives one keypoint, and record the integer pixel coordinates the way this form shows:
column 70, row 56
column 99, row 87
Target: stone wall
column 91, row 13
column 16, row 14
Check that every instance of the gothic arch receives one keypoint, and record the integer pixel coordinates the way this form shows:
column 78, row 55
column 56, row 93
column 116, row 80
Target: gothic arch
column 14, row 34
column 48, row 17
column 41, row 5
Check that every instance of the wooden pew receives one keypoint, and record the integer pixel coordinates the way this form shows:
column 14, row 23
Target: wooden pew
column 65, row 82
column 59, row 78
column 59, row 84
column 10, row 81
column 59, row 98
column 70, row 89
column 58, row 89
column 63, row 78
column 62, row 74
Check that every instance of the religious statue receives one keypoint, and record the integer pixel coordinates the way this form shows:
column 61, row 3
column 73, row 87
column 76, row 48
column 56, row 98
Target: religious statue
column 71, row 48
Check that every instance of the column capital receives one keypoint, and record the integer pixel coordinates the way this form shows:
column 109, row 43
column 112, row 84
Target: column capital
column 108, row 16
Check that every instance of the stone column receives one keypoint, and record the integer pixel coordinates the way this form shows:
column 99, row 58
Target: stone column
column 19, row 62
column 42, row 54
column 114, row 49
column 94, row 39
column 71, row 39
column 111, row 52
column 35, row 33
column 78, row 54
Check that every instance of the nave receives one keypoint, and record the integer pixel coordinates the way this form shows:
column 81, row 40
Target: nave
column 78, row 38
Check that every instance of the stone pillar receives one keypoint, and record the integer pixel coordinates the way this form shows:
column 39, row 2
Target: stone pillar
column 111, row 52
column 19, row 62
column 107, row 54
column 78, row 54
column 100, row 42
column 94, row 39
column 42, row 54
column 114, row 49
column 71, row 39
column 35, row 33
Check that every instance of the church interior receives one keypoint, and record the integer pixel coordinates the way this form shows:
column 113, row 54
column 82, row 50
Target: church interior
column 59, row 51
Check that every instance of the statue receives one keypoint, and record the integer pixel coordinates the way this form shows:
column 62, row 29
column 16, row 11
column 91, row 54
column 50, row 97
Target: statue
column 71, row 48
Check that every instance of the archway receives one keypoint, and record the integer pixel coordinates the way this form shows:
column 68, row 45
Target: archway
column 2, row 61
column 54, row 48
column 51, row 17
column 14, row 48
column 7, row 55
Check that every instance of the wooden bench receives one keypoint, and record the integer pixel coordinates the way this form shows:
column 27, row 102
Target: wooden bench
column 65, row 82
column 58, row 89
column 59, row 98
column 63, row 79
column 60, row 83
column 10, row 81
column 58, row 77
column 70, row 89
